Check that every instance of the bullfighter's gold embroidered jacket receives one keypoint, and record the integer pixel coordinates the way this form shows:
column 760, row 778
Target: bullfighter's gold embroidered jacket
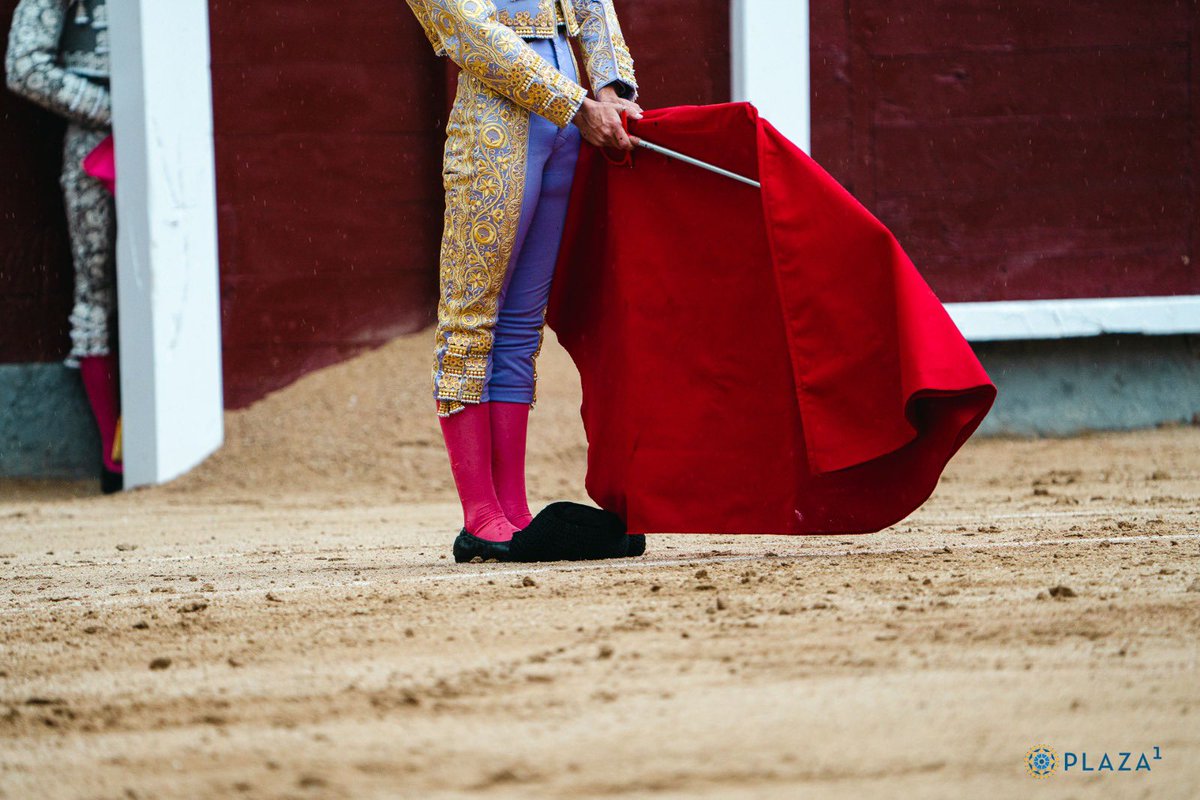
column 485, row 38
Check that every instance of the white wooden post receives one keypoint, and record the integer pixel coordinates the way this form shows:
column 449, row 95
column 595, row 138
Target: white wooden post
column 770, row 51
column 172, row 399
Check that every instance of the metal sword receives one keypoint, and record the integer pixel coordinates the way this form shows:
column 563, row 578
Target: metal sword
column 697, row 163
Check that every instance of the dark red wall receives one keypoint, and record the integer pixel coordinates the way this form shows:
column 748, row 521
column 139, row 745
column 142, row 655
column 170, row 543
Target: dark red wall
column 1023, row 149
column 326, row 116
column 35, row 257
column 680, row 50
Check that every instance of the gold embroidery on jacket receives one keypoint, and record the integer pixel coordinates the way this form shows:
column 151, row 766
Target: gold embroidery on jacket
column 467, row 31
column 487, row 139
column 541, row 25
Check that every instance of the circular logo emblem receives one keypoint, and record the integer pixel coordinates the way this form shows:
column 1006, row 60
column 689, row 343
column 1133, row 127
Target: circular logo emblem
column 1041, row 761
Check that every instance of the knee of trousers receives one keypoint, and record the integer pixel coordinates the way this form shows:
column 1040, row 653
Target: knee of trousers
column 512, row 367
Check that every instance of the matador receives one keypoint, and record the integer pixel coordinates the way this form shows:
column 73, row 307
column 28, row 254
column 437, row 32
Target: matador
column 58, row 57
column 512, row 140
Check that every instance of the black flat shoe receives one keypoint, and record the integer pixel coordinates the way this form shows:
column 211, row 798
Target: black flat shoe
column 468, row 547
column 111, row 482
column 573, row 532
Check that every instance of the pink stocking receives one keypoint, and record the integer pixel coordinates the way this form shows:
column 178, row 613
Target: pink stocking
column 510, row 426
column 100, row 381
column 468, row 436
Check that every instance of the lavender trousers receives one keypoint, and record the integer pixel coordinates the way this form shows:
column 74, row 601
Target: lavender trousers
column 552, row 153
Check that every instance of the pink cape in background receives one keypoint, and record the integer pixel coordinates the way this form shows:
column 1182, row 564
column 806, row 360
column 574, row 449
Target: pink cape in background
column 101, row 164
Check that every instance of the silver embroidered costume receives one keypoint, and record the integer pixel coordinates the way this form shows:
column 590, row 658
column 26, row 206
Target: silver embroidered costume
column 58, row 58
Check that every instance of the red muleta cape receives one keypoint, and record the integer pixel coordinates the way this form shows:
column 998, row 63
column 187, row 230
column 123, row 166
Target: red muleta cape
column 752, row 362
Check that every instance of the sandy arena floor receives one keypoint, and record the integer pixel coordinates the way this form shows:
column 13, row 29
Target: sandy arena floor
column 286, row 622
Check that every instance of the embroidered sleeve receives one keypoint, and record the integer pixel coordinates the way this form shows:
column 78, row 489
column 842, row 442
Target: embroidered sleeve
column 604, row 49
column 34, row 72
column 467, row 31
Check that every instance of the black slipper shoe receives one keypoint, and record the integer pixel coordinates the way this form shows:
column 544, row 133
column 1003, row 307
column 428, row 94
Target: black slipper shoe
column 572, row 532
column 468, row 547
column 111, row 482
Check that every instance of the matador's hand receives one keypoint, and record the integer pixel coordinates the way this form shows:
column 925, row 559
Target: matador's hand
column 600, row 124
column 609, row 95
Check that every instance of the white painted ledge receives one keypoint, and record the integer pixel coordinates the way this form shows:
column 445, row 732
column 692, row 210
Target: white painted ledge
column 770, row 63
column 167, row 275
column 1059, row 319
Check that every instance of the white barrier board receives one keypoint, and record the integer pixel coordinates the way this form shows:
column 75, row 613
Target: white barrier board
column 167, row 274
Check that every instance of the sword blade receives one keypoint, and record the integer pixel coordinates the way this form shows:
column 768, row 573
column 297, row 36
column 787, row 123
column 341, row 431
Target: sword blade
column 697, row 163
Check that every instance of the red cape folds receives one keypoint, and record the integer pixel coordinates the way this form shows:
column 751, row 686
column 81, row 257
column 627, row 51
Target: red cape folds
column 752, row 362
